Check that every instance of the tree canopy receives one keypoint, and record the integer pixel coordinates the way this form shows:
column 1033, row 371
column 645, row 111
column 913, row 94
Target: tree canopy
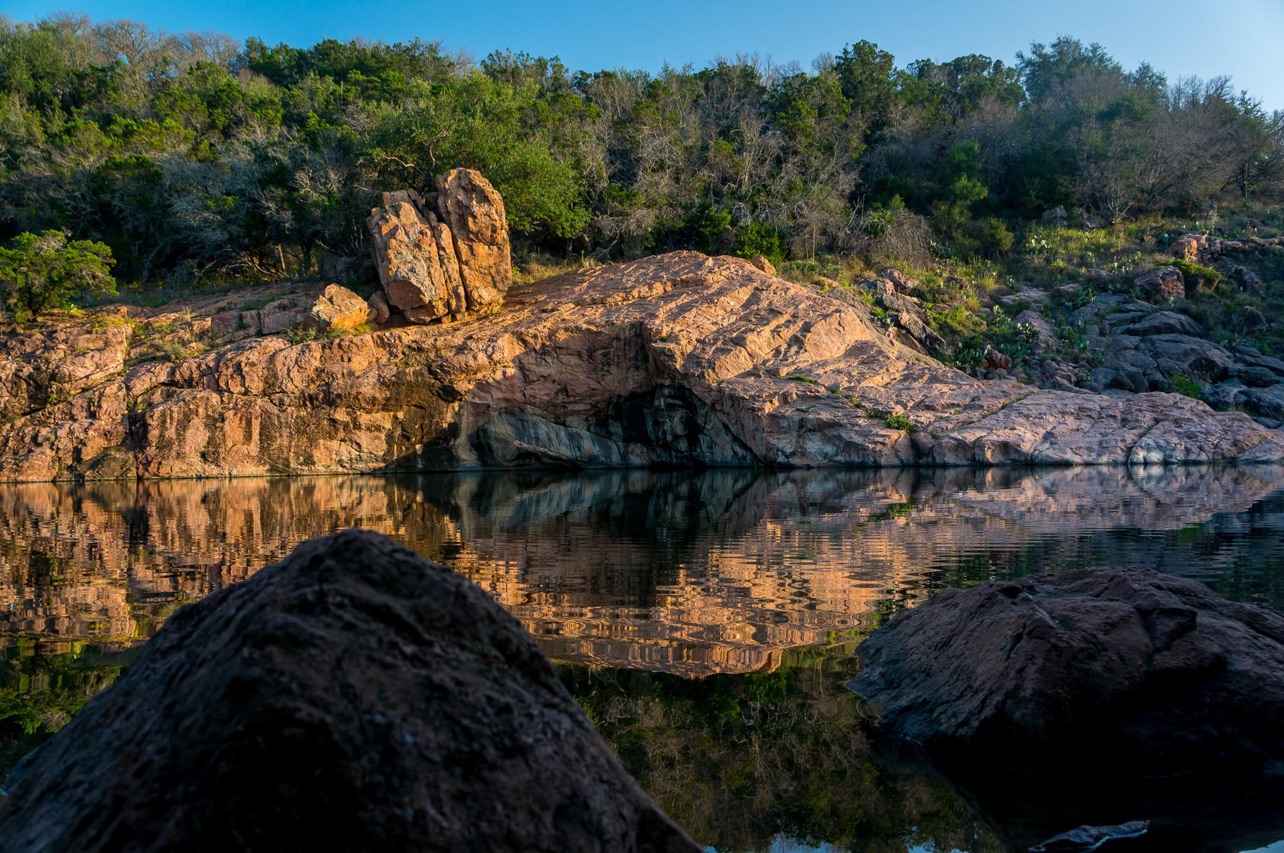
column 40, row 272
column 190, row 155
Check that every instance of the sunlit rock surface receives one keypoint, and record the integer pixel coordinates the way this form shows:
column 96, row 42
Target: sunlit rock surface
column 679, row 359
column 445, row 256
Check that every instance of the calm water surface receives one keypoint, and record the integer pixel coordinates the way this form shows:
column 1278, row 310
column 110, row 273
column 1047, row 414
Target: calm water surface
column 706, row 622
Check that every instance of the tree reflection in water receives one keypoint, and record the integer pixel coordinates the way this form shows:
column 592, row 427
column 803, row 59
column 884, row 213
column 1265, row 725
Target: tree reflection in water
column 706, row 620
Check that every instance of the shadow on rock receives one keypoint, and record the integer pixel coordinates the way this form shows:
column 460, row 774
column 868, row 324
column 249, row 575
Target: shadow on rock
column 353, row 697
column 1094, row 697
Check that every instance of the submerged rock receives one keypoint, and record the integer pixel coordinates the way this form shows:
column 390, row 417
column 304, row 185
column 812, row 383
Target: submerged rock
column 1086, row 838
column 1127, row 672
column 353, row 697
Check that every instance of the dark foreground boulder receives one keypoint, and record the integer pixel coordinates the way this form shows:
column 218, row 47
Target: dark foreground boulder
column 1126, row 672
column 353, row 697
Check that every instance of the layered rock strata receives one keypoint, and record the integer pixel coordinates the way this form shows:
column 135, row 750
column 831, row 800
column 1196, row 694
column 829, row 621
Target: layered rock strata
column 445, row 256
column 679, row 359
column 353, row 697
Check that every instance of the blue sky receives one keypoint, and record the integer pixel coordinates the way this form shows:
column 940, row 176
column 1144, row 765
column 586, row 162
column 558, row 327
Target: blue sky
column 1241, row 38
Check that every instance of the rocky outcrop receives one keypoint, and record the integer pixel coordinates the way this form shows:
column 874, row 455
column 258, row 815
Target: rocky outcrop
column 1126, row 345
column 679, row 359
column 353, row 697
column 446, row 256
column 338, row 309
column 902, row 313
column 1202, row 248
column 1162, row 285
column 1130, row 669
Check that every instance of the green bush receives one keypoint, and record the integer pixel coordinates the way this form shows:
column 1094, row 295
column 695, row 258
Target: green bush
column 1185, row 387
column 1199, row 271
column 759, row 238
column 993, row 237
column 42, row 272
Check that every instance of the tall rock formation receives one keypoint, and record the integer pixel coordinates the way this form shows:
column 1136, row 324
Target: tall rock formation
column 445, row 256
column 474, row 211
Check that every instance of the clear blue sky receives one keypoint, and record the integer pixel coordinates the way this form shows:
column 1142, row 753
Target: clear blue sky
column 1240, row 38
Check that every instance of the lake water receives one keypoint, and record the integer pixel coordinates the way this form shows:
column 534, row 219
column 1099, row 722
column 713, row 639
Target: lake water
column 706, row 621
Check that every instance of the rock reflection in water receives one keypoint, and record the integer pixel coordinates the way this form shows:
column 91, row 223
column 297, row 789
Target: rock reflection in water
column 775, row 761
column 690, row 574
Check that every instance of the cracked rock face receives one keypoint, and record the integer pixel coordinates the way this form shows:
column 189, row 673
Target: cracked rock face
column 446, row 256
column 353, row 697
column 679, row 359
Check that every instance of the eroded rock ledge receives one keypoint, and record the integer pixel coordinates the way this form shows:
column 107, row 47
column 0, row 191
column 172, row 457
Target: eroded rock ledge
column 679, row 359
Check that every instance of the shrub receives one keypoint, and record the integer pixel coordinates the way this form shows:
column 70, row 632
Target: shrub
column 1198, row 271
column 893, row 235
column 1185, row 387
column 40, row 272
column 759, row 238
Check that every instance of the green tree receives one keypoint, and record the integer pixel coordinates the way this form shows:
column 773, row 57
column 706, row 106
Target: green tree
column 867, row 75
column 43, row 271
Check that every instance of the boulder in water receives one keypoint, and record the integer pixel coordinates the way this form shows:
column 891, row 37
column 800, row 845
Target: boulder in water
column 1125, row 672
column 353, row 697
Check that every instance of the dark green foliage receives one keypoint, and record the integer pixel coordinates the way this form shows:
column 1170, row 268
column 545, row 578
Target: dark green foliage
column 1185, row 387
column 40, row 272
column 759, row 238
column 194, row 156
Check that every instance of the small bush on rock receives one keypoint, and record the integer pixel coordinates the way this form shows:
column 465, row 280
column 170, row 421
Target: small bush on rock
column 43, row 272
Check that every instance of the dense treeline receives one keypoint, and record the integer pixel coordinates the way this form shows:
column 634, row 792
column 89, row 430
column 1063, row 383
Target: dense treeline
column 194, row 156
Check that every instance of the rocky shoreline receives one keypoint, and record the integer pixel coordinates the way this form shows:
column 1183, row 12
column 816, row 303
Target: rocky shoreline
column 679, row 359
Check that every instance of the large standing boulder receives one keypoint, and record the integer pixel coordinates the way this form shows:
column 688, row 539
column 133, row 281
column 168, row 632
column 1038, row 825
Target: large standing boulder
column 416, row 256
column 445, row 256
column 353, row 697
column 475, row 213
column 1116, row 670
